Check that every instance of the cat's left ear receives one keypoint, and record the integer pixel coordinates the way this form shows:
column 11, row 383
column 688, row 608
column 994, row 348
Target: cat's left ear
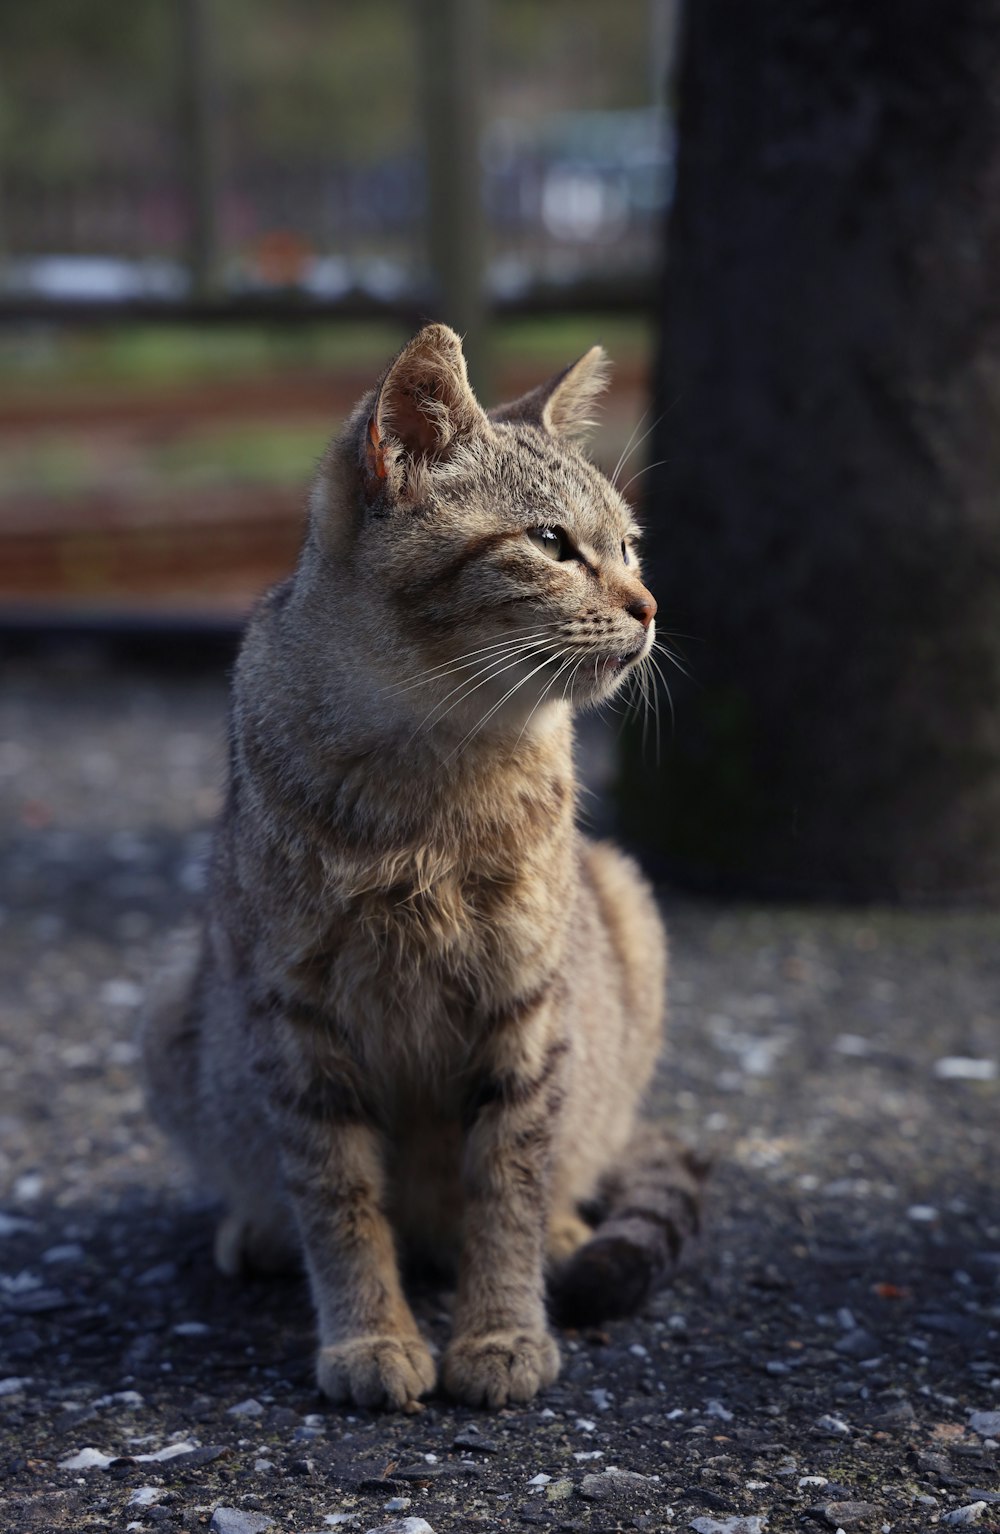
column 424, row 408
column 564, row 407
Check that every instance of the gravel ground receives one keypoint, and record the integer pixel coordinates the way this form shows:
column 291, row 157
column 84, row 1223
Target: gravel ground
column 826, row 1357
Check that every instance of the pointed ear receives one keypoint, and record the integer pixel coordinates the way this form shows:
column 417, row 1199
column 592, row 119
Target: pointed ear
column 423, row 408
column 564, row 406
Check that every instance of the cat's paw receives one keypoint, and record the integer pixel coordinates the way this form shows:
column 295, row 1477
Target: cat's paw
column 376, row 1370
column 499, row 1367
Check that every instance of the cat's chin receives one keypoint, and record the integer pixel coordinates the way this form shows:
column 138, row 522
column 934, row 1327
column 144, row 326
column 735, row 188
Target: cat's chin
column 595, row 684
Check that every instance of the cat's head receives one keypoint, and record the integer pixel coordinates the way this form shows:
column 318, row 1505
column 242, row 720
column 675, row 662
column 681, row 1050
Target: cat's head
column 485, row 563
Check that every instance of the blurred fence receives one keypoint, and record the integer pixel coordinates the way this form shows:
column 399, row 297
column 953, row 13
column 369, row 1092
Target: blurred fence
column 582, row 206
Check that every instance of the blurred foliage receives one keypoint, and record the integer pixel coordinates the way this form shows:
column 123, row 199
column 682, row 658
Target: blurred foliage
column 95, row 85
column 38, row 360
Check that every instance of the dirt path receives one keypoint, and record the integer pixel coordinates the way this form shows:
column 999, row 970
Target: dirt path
column 828, row 1357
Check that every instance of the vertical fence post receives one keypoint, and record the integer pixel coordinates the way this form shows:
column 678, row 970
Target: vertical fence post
column 451, row 50
column 199, row 120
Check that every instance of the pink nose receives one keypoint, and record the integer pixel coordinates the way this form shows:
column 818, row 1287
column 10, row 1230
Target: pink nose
column 643, row 608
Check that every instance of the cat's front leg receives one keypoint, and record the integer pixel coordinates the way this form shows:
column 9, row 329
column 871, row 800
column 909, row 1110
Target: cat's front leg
column 371, row 1351
column 502, row 1349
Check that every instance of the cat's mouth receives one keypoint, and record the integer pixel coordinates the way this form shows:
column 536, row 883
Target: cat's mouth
column 612, row 664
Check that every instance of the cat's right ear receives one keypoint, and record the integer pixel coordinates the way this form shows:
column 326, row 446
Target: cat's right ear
column 423, row 410
column 564, row 406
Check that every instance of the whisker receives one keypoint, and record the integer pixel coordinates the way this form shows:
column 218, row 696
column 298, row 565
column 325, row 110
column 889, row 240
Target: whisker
column 648, row 432
column 653, row 662
column 672, row 658
column 544, row 693
column 624, row 452
column 458, row 660
column 487, row 660
column 485, row 673
column 490, row 712
column 640, row 472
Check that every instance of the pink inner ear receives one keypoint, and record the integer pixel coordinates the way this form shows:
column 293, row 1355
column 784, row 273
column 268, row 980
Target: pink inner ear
column 417, row 431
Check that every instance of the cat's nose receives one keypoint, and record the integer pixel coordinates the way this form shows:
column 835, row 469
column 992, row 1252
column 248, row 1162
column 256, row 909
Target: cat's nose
column 643, row 608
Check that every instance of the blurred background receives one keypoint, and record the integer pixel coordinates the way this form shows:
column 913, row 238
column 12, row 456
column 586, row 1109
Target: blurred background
column 219, row 219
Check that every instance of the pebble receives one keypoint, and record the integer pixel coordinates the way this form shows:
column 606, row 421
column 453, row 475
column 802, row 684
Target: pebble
column 539, row 1480
column 857, row 1343
column 145, row 1496
column 397, row 1504
column 964, row 1068
column 69, row 1251
column 985, row 1423
column 922, row 1214
column 233, row 1520
column 161, row 1273
column 845, row 1515
column 970, row 1513
column 402, row 1526
column 14, row 1384
column 472, row 1440
column 248, row 1408
column 612, row 1483
column 191, row 1329
column 835, row 1426
column 716, row 1409
column 738, row 1525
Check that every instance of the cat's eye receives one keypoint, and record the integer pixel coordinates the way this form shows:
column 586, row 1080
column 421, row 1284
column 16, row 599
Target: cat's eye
column 551, row 540
column 625, row 553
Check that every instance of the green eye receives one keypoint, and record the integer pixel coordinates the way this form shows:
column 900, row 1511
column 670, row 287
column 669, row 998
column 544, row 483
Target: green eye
column 551, row 541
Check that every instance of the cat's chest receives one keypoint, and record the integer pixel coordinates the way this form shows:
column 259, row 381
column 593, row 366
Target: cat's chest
column 429, row 937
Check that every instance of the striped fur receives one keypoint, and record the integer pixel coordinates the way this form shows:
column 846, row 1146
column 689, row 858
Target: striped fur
column 426, row 1007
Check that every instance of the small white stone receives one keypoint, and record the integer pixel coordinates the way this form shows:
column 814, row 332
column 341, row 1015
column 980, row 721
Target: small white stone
column 830, row 1424
column 403, row 1526
column 263, row 1464
column 121, row 993
column 964, row 1068
column 14, row 1384
column 716, row 1409
column 145, row 1496
column 585, row 1424
column 970, row 1513
column 923, row 1214
column 540, row 1480
column 86, row 1459
column 397, row 1504
column 582, row 1454
column 170, row 1452
column 985, row 1423
column 191, row 1329
column 70, row 1251
column 248, row 1408
column 813, row 1480
column 638, row 1351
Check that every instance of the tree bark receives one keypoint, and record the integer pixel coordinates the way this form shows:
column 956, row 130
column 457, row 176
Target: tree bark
column 826, row 524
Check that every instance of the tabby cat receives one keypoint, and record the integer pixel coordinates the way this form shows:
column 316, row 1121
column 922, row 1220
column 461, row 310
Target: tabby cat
column 426, row 1007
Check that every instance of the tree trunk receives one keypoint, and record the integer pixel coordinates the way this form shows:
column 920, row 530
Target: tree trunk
column 826, row 525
